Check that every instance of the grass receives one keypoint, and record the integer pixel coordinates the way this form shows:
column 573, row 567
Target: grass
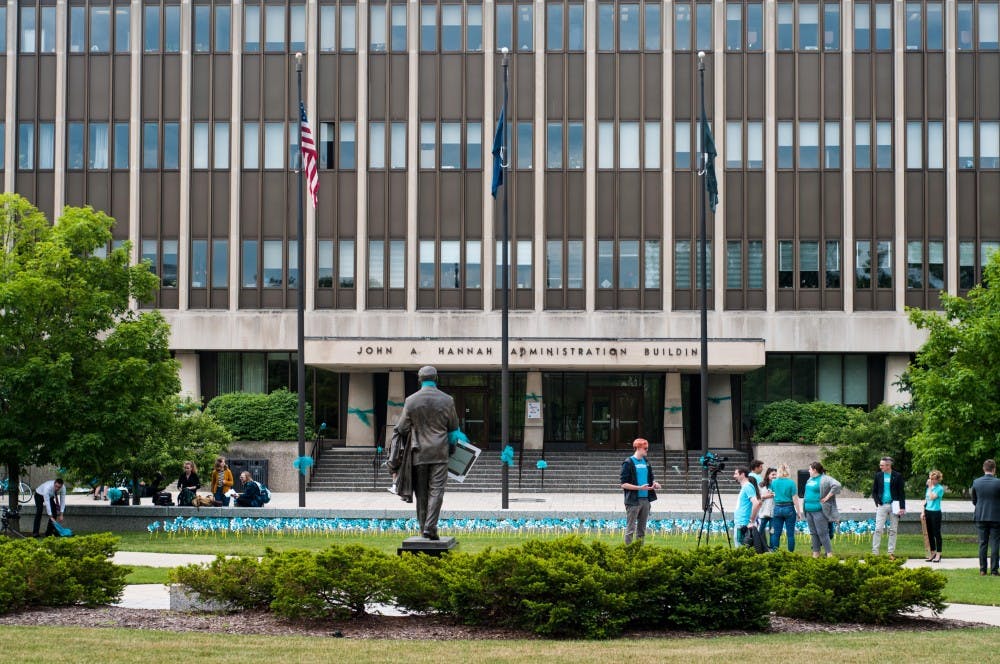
column 47, row 644
column 911, row 546
column 965, row 586
column 144, row 574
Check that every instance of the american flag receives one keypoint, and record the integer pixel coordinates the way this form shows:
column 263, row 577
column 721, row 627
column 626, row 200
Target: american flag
column 309, row 155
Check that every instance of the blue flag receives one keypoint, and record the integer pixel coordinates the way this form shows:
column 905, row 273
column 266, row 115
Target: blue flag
column 708, row 149
column 499, row 141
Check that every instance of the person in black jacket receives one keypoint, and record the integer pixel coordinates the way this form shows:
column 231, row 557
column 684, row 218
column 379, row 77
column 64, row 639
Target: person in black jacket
column 640, row 490
column 890, row 504
column 188, row 484
column 986, row 498
column 251, row 491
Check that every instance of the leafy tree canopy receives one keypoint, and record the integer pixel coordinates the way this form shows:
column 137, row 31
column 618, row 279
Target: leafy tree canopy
column 83, row 375
column 955, row 382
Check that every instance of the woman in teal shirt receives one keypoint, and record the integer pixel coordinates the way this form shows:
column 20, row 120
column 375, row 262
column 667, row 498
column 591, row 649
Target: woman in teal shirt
column 819, row 526
column 932, row 514
column 786, row 507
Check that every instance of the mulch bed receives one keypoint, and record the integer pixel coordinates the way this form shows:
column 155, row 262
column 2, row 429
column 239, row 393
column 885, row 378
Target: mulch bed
column 383, row 627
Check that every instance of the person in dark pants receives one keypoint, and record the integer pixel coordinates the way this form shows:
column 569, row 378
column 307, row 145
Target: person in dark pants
column 251, row 491
column 429, row 417
column 640, row 490
column 986, row 498
column 890, row 504
column 932, row 514
column 49, row 499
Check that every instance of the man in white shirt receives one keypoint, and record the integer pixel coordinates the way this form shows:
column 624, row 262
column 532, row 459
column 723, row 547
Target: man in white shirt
column 50, row 497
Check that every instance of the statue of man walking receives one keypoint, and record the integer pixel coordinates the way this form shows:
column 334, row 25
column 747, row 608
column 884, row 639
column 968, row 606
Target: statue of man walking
column 430, row 419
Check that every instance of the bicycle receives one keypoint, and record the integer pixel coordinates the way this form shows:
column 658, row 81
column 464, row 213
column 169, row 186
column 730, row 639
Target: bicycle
column 23, row 493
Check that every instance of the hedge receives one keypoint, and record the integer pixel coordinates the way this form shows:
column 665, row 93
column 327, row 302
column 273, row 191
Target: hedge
column 59, row 572
column 249, row 416
column 570, row 588
column 795, row 422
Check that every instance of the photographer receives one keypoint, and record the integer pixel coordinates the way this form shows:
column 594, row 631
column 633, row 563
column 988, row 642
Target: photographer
column 640, row 490
column 747, row 505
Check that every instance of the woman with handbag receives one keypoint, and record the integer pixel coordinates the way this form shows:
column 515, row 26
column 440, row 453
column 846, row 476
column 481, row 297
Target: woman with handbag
column 222, row 482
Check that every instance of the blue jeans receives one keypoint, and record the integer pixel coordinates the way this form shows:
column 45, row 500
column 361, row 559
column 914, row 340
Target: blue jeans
column 784, row 518
column 221, row 497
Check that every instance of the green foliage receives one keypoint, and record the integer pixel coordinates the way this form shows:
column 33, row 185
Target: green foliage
column 855, row 590
column 59, row 572
column 955, row 382
column 852, row 452
column 83, row 376
column 795, row 422
column 337, row 582
column 250, row 416
column 240, row 582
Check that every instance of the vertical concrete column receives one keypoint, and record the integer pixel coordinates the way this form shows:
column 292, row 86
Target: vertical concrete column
column 360, row 411
column 235, row 156
column 667, row 160
column 590, row 162
column 770, row 156
column 394, row 403
column 951, row 146
column 135, row 128
column 720, row 411
column 491, row 104
column 10, row 107
column 718, row 119
column 59, row 162
column 311, row 76
column 539, row 173
column 847, row 151
column 673, row 413
column 895, row 365
column 534, row 427
column 899, row 154
column 361, row 232
column 189, row 373
column 184, row 231
column 413, row 157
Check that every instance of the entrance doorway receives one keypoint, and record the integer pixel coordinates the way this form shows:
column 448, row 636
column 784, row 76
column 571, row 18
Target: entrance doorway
column 473, row 413
column 613, row 417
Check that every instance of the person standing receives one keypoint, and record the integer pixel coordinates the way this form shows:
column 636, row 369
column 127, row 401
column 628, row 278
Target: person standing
column 932, row 514
column 747, row 505
column 986, row 498
column 890, row 504
column 766, row 512
column 222, row 481
column 640, row 490
column 50, row 499
column 816, row 509
column 429, row 417
column 757, row 471
column 786, row 508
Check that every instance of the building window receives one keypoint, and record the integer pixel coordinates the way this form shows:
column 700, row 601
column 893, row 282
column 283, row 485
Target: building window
column 451, row 264
column 473, row 145
column 653, row 144
column 121, row 150
column 966, row 145
column 348, row 29
column 833, row 263
column 966, row 265
column 914, row 27
column 474, row 28
column 451, row 28
column 251, row 145
column 652, row 31
column 348, row 140
column 682, row 26
column 808, row 27
column 915, row 264
column 734, row 26
column 605, row 264
column 682, row 264
column 324, row 264
column 202, row 40
column 553, row 262
column 376, row 264
column 786, row 264
column 376, row 145
column 199, row 263
column 862, row 144
column 504, row 27
column 274, row 28
column 808, row 264
column 451, row 145
column 651, row 264
column 397, row 28
column 628, row 264
column 863, row 264
column 74, row 146
column 885, row 265
column 223, row 29
column 682, row 145
column 883, row 145
column 3, row 29
column 989, row 26
column 251, row 28
column 169, row 279
column 97, row 149
column 150, row 145
column 786, row 26
column 123, row 19
column 77, row 29
column 883, row 26
column 428, row 26
column 786, row 145
column 220, row 263
column 755, row 264
column 327, row 28
column 249, row 276
column 703, row 16
column 554, row 145
column 734, row 264
column 862, row 26
column 524, row 264
column 100, row 29
column 808, row 145
column 831, row 27
column 326, row 145
column 428, row 145
column 935, row 144
column 525, row 145
column 989, row 145
column 397, row 263
column 171, row 146
column 149, row 255
column 397, row 145
column 273, row 264
column 831, row 145
column 28, row 29
column 628, row 27
column 346, row 257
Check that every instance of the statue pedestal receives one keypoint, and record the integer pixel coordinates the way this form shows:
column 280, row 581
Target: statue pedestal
column 426, row 546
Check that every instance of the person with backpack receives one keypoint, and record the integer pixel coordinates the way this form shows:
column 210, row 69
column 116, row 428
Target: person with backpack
column 188, row 484
column 640, row 490
column 254, row 493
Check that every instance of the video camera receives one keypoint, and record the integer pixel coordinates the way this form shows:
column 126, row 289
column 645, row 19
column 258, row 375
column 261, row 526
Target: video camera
column 714, row 462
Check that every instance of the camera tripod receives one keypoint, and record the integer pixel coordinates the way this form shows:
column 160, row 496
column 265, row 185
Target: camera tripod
column 714, row 501
column 6, row 517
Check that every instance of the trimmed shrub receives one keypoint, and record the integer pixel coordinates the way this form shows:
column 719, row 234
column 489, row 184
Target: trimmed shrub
column 58, row 572
column 794, row 422
column 250, row 416
column 242, row 582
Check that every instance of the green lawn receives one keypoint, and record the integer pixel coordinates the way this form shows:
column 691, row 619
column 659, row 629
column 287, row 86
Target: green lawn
column 958, row 546
column 142, row 574
column 48, row 644
column 965, row 586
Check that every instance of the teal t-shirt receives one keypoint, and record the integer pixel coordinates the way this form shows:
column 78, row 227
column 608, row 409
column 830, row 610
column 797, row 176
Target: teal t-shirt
column 744, row 505
column 933, row 497
column 641, row 475
column 784, row 490
column 811, row 498
column 886, row 489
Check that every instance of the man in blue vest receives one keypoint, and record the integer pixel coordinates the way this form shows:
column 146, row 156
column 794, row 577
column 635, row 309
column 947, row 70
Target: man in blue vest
column 640, row 490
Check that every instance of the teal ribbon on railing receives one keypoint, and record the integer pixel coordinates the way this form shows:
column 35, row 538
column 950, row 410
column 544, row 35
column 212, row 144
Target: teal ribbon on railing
column 673, row 409
column 303, row 463
column 394, row 404
column 718, row 400
column 507, row 456
column 541, row 465
column 362, row 414
column 531, row 396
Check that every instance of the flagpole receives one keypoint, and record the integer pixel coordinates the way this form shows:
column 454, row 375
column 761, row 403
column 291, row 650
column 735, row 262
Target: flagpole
column 301, row 313
column 703, row 282
column 505, row 315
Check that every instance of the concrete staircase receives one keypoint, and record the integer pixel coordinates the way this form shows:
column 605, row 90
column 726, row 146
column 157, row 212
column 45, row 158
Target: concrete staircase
column 578, row 471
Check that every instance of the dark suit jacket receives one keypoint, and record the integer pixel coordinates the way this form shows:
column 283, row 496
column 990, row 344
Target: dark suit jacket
column 896, row 488
column 986, row 498
column 428, row 417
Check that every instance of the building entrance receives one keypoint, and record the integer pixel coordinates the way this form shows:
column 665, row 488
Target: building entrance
column 613, row 417
column 473, row 413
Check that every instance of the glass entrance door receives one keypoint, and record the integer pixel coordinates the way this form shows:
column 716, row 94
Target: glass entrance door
column 614, row 417
column 473, row 415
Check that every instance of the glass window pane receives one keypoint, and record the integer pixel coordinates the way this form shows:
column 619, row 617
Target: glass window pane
column 347, row 144
column 831, row 145
column 327, row 28
column 862, row 144
column 524, row 263
column 914, row 34
column 808, row 145
column 376, row 145
column 808, row 27
column 755, row 264
column 77, row 29
column 652, row 30
column 883, row 139
column 397, row 263
column 251, row 157
column 605, row 264
column 376, row 264
column 525, row 26
column 989, row 27
column 249, row 277
column 451, row 28
column 348, row 29
column 553, row 262
column 151, row 29
column 150, row 145
column 171, row 29
column 966, row 145
column 605, row 26
column 734, row 144
column 856, row 380
column 123, row 18
column 830, row 382
column 474, row 28
column 251, row 28
column 297, row 28
column 734, row 264
column 202, row 19
column 74, row 146
column 914, row 145
column 428, row 145
column 863, row 264
column 324, row 263
column 274, row 28
column 883, row 26
column 914, row 264
column 397, row 15
column 199, row 143
column 605, row 145
column 935, row 145
column 682, row 145
column 574, row 145
column 862, row 26
column 628, row 145
column 525, row 131
column 345, row 274
column 704, row 26
column 505, row 27
column 989, row 144
column 734, row 26
column 451, row 145
column 46, row 145
column 786, row 147
column 682, row 264
column 221, row 146
column 885, row 265
column 833, row 263
column 755, row 26
column 397, row 147
column 220, row 263
column 786, row 264
column 652, row 145
column 651, row 264
column 628, row 27
column 451, row 264
column 428, row 26
column 831, row 27
column 474, row 145
column 97, row 150
column 223, row 29
column 149, row 252
column 199, row 263
column 169, row 279
column 293, row 263
column 274, row 145
column 553, row 145
column 628, row 264
column 755, row 145
column 808, row 264
column 682, row 26
column 786, row 26
column 121, row 145
column 576, row 33
column 100, row 29
column 171, row 146
column 935, row 26
column 574, row 264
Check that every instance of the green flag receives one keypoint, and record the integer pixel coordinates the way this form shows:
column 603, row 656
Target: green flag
column 708, row 163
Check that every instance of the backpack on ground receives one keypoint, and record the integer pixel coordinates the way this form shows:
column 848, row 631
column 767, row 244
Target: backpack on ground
column 163, row 499
column 186, row 498
column 265, row 493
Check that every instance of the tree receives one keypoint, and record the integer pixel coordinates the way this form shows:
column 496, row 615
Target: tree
column 852, row 452
column 84, row 377
column 955, row 382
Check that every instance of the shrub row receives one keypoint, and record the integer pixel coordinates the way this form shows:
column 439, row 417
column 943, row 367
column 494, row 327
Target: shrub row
column 59, row 572
column 571, row 588
column 249, row 416
column 794, row 422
